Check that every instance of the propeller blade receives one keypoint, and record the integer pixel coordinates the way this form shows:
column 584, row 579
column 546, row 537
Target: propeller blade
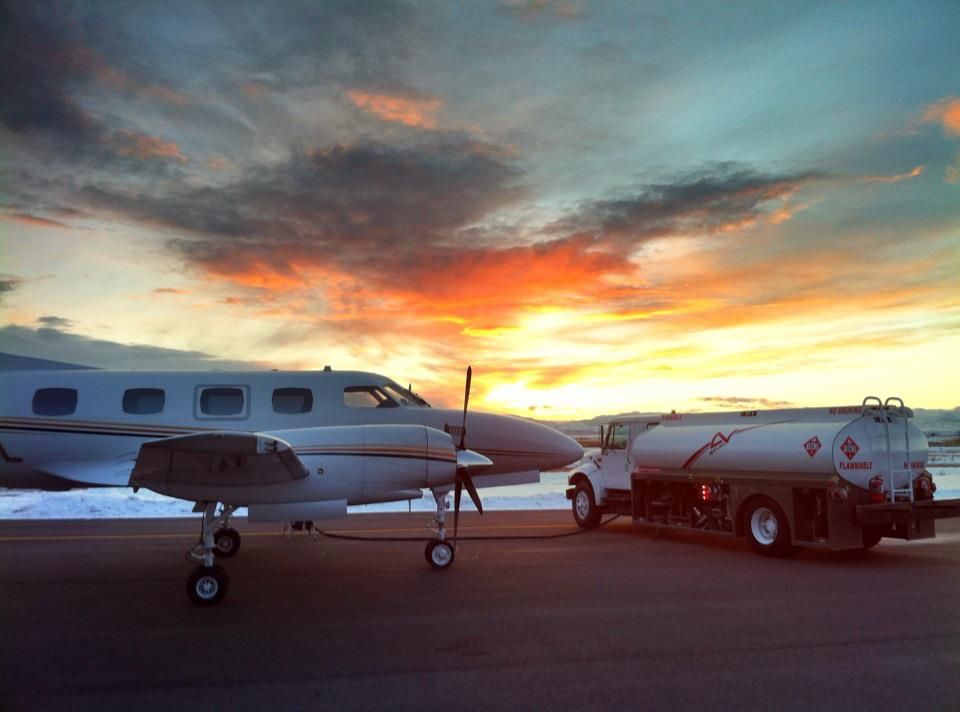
column 466, row 400
column 472, row 491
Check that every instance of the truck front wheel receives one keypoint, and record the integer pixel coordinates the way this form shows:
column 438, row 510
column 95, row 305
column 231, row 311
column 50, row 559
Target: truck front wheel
column 585, row 510
column 767, row 528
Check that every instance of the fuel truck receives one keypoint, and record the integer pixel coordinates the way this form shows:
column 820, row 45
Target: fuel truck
column 832, row 478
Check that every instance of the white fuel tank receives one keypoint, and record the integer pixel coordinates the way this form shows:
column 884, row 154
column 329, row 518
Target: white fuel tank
column 854, row 442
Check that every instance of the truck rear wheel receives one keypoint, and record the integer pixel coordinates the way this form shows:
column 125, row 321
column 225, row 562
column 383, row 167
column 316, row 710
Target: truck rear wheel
column 585, row 511
column 767, row 528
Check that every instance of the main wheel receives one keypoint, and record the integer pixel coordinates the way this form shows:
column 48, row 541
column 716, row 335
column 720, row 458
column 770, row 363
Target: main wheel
column 586, row 513
column 767, row 528
column 439, row 553
column 207, row 585
column 226, row 543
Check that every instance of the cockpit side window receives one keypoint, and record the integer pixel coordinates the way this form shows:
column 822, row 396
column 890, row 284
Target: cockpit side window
column 367, row 397
column 404, row 397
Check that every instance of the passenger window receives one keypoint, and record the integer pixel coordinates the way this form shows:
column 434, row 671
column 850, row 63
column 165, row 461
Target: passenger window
column 221, row 401
column 143, row 401
column 55, row 401
column 292, row 400
column 366, row 397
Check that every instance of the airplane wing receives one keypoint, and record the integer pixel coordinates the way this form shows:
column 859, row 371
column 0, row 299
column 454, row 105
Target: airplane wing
column 91, row 472
column 187, row 465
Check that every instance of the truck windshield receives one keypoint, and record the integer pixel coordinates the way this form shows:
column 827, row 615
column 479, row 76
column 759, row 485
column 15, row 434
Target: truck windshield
column 405, row 397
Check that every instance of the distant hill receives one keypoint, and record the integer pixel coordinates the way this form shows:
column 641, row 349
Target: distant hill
column 13, row 362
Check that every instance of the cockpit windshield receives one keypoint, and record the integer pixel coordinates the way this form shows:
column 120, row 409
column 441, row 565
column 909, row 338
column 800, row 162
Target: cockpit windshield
column 404, row 396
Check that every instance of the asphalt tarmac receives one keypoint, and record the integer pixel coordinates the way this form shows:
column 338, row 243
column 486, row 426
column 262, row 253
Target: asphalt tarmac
column 94, row 615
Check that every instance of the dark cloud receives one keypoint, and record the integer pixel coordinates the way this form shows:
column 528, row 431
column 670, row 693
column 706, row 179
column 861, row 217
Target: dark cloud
column 347, row 203
column 719, row 199
column 47, row 65
column 54, row 322
column 39, row 64
column 8, row 284
column 57, row 345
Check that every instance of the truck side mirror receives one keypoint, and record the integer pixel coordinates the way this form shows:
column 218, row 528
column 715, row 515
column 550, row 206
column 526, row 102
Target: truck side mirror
column 603, row 445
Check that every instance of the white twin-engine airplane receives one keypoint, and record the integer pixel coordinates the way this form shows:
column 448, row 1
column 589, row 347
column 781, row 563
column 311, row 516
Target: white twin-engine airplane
column 288, row 446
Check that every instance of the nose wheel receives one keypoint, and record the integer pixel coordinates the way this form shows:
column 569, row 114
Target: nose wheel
column 439, row 553
column 207, row 585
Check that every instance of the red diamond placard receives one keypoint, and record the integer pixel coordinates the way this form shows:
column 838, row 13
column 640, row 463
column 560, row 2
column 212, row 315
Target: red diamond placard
column 812, row 445
column 849, row 448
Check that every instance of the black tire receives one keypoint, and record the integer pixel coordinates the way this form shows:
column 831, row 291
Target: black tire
column 767, row 528
column 439, row 553
column 586, row 513
column 226, row 543
column 207, row 585
column 871, row 537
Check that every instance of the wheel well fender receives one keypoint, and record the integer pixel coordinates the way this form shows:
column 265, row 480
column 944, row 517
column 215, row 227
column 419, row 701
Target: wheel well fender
column 592, row 479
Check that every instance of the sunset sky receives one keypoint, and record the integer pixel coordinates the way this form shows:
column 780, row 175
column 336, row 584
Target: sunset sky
column 603, row 207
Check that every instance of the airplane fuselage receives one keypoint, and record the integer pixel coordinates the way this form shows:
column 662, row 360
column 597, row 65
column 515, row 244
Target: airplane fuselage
column 66, row 429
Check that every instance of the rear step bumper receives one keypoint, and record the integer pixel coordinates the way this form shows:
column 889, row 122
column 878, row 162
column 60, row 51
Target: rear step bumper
column 869, row 515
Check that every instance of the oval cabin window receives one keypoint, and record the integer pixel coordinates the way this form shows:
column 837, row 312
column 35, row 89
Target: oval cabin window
column 143, row 401
column 292, row 400
column 221, row 401
column 55, row 401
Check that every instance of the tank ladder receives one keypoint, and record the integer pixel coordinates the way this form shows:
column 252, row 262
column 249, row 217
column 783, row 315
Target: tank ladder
column 894, row 407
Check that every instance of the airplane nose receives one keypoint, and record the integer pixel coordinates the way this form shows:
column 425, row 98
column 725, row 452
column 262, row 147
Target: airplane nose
column 563, row 450
column 517, row 444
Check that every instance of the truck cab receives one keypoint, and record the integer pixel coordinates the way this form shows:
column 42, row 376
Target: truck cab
column 601, row 482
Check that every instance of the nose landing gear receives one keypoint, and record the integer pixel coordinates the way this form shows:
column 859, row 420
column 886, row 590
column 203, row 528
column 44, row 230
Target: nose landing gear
column 439, row 552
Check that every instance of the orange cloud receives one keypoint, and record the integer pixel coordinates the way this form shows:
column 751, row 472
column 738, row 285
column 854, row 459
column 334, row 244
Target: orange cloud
column 410, row 111
column 896, row 178
column 171, row 290
column 85, row 61
column 219, row 163
column 945, row 112
column 33, row 221
column 253, row 89
column 144, row 147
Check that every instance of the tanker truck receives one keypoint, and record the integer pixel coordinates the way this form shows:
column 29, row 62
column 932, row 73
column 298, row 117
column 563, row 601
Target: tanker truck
column 832, row 478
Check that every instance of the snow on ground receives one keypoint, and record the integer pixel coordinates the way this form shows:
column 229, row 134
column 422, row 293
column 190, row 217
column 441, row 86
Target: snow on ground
column 122, row 503
column 110, row 502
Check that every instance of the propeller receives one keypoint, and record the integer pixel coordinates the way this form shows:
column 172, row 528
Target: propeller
column 467, row 460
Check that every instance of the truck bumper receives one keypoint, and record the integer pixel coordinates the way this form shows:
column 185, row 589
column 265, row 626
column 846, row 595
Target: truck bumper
column 907, row 520
column 878, row 514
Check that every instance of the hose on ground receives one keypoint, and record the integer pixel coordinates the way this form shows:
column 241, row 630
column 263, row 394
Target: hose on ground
column 514, row 537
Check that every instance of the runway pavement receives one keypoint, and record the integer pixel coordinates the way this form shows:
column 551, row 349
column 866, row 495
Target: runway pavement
column 94, row 615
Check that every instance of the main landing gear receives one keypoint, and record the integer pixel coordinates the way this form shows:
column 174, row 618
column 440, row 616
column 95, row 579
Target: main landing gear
column 208, row 582
column 439, row 552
